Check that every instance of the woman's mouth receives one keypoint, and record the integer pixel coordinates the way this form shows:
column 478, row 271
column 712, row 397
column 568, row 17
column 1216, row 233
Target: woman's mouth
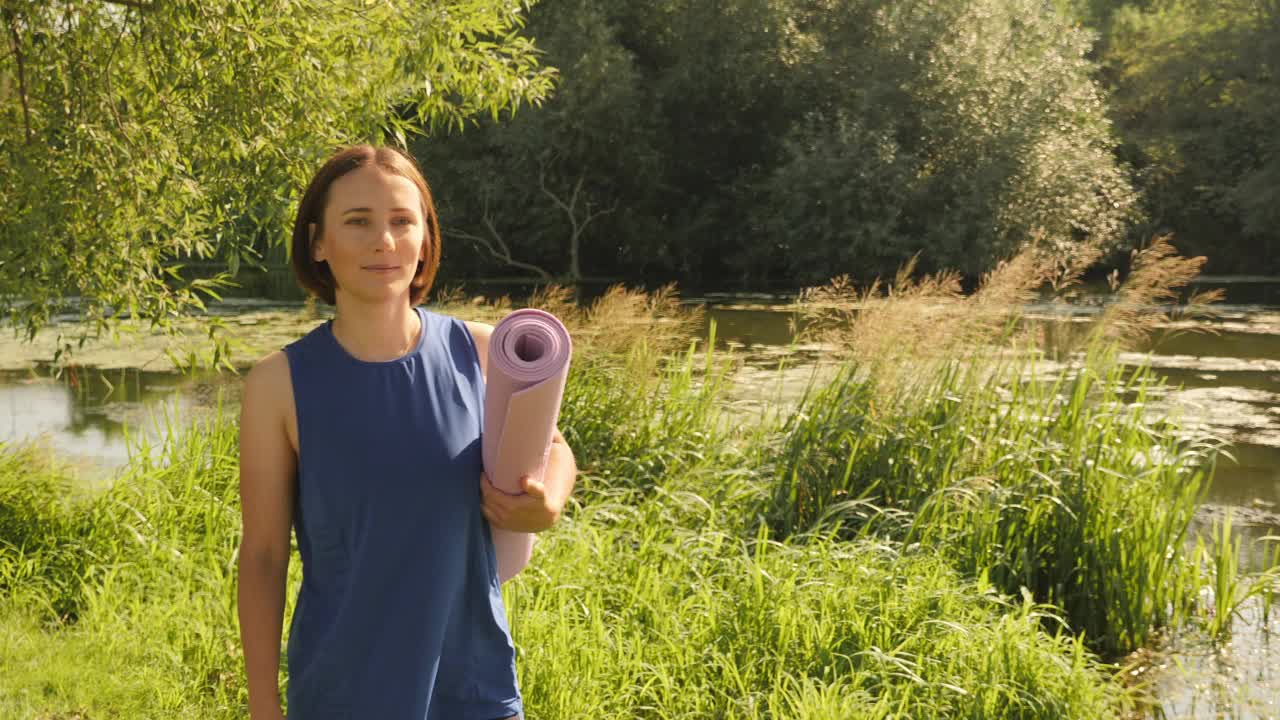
column 382, row 269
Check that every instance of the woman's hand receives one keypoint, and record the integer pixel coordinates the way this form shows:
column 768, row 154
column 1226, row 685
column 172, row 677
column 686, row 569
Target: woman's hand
column 530, row 512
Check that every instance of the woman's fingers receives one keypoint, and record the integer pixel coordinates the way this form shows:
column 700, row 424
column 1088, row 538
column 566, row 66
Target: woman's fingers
column 492, row 492
column 523, row 512
column 490, row 498
column 496, row 505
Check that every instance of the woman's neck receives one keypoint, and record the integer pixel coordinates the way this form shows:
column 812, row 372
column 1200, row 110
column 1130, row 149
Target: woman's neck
column 376, row 333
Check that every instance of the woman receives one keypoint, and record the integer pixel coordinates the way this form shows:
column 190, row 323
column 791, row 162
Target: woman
column 364, row 437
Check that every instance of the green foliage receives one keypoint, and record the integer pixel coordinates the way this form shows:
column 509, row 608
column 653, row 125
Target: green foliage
column 136, row 137
column 979, row 129
column 1195, row 98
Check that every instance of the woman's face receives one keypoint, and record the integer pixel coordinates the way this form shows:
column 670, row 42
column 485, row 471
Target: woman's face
column 374, row 234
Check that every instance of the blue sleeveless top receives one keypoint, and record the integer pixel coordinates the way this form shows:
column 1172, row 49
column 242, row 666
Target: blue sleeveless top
column 400, row 613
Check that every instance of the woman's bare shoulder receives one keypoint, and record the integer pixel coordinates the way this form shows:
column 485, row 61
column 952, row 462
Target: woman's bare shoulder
column 480, row 333
column 269, row 373
column 479, row 330
column 268, row 394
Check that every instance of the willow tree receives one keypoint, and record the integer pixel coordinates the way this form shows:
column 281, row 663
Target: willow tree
column 138, row 135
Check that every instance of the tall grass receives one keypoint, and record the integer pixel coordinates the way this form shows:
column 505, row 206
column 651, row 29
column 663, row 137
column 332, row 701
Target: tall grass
column 1054, row 485
column 942, row 429
column 656, row 611
column 642, row 418
column 1229, row 591
column 138, row 591
column 46, row 533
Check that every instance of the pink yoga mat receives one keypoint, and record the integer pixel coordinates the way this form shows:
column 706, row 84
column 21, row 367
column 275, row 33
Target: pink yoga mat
column 528, row 364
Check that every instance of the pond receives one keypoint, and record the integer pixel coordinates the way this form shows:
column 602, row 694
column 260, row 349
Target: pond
column 1226, row 380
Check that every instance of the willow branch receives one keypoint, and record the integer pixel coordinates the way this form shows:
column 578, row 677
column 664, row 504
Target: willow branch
column 16, row 43
column 111, row 90
column 131, row 4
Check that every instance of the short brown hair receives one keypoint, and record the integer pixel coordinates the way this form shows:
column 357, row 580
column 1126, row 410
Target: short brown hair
column 315, row 277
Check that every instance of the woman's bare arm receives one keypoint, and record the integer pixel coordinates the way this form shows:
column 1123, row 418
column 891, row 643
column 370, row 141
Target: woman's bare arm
column 268, row 463
column 561, row 474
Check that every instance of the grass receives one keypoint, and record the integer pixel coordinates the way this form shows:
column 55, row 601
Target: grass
column 1047, row 485
column 1229, row 591
column 655, row 611
column 941, row 428
column 48, row 533
column 1271, row 577
column 941, row 531
column 647, row 601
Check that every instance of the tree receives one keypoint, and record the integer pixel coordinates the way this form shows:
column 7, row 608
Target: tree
column 752, row 142
column 1196, row 97
column 543, row 192
column 961, row 130
column 139, row 134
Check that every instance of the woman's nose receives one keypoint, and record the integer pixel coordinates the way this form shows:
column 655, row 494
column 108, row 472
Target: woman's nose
column 385, row 237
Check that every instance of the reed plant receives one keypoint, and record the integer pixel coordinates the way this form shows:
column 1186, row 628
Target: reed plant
column 942, row 429
column 912, row 327
column 1056, row 486
column 1270, row 576
column 1223, row 564
column 1230, row 590
column 641, row 398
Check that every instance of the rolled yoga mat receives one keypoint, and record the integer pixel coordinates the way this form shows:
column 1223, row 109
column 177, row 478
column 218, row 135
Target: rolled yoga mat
column 528, row 364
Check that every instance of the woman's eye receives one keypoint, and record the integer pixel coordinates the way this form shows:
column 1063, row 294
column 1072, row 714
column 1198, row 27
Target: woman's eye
column 357, row 221
column 405, row 221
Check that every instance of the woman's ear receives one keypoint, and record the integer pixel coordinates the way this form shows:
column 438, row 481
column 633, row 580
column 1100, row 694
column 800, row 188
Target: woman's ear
column 317, row 251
